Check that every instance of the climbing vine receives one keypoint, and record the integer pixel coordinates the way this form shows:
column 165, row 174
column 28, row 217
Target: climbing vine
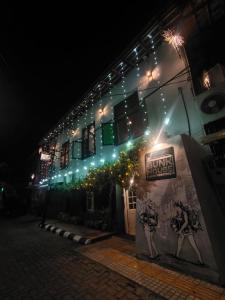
column 120, row 172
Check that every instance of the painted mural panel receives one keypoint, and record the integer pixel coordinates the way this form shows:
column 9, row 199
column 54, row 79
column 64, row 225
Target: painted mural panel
column 170, row 226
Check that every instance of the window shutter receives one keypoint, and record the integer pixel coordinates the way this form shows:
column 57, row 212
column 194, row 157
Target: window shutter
column 107, row 134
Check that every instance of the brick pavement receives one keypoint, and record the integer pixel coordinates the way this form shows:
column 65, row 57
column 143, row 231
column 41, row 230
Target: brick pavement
column 36, row 265
column 118, row 255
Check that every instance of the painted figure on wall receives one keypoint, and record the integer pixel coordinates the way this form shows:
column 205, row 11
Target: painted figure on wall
column 184, row 223
column 149, row 219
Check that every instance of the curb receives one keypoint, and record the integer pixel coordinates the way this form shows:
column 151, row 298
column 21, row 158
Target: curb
column 66, row 234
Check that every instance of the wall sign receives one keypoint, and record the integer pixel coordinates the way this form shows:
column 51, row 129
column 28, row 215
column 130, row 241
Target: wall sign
column 160, row 164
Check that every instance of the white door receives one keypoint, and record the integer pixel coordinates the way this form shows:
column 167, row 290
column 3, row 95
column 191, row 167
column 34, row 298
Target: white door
column 130, row 211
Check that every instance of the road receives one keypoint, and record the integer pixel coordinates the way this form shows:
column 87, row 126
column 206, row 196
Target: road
column 35, row 264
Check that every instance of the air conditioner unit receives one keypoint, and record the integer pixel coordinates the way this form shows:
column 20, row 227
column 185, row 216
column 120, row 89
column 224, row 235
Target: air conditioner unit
column 211, row 104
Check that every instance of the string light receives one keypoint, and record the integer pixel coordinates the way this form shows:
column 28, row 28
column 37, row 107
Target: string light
column 123, row 86
column 166, row 119
column 140, row 93
column 114, row 155
column 112, row 110
column 78, row 154
column 101, row 116
column 92, row 121
column 129, row 144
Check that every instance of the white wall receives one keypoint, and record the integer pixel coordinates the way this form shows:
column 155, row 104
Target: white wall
column 169, row 64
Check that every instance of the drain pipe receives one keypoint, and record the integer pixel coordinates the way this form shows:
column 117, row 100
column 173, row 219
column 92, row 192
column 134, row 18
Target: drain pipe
column 180, row 90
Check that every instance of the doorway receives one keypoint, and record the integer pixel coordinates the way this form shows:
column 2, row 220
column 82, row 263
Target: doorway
column 130, row 198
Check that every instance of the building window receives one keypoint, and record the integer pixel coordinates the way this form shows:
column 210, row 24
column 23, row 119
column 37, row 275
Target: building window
column 88, row 141
column 129, row 116
column 107, row 134
column 90, row 201
column 64, row 158
column 77, row 149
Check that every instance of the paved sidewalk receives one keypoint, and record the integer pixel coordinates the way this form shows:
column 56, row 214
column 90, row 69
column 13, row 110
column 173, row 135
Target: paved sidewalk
column 77, row 233
column 39, row 266
column 119, row 256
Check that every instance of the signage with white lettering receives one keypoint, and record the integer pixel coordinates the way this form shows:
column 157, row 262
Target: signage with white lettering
column 160, row 164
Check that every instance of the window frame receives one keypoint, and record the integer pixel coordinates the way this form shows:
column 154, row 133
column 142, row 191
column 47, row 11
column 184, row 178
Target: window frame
column 111, row 123
column 74, row 143
column 132, row 111
column 85, row 147
column 65, row 155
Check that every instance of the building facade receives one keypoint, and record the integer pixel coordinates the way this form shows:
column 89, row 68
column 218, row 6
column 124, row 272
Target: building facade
column 167, row 89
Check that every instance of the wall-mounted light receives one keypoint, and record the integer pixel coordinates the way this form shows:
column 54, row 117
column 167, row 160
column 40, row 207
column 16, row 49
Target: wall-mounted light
column 174, row 39
column 149, row 75
column 101, row 111
column 74, row 132
column 206, row 80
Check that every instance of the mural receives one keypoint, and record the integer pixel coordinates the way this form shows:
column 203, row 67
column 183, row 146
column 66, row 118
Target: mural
column 170, row 226
column 184, row 223
column 148, row 217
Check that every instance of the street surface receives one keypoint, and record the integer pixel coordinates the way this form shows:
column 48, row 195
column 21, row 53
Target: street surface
column 35, row 264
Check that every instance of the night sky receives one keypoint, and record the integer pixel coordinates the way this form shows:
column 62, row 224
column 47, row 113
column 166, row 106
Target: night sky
column 49, row 56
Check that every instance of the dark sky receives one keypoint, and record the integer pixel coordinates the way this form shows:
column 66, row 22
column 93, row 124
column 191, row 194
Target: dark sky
column 50, row 55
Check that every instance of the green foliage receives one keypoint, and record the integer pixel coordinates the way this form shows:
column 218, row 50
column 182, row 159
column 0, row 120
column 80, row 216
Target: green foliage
column 120, row 172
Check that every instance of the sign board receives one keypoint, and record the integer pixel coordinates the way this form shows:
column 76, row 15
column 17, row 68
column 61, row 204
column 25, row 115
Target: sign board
column 160, row 164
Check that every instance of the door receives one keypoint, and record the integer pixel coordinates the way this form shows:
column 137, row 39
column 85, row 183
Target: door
column 130, row 210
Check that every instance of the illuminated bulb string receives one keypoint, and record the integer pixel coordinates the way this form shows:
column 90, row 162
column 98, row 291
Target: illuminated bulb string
column 123, row 86
column 162, row 94
column 112, row 110
column 140, row 93
column 78, row 148
column 92, row 121
column 101, row 115
column 85, row 126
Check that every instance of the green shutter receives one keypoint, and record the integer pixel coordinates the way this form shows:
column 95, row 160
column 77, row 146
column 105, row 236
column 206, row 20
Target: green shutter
column 107, row 134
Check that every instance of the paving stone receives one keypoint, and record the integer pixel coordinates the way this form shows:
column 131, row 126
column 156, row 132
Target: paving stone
column 35, row 265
